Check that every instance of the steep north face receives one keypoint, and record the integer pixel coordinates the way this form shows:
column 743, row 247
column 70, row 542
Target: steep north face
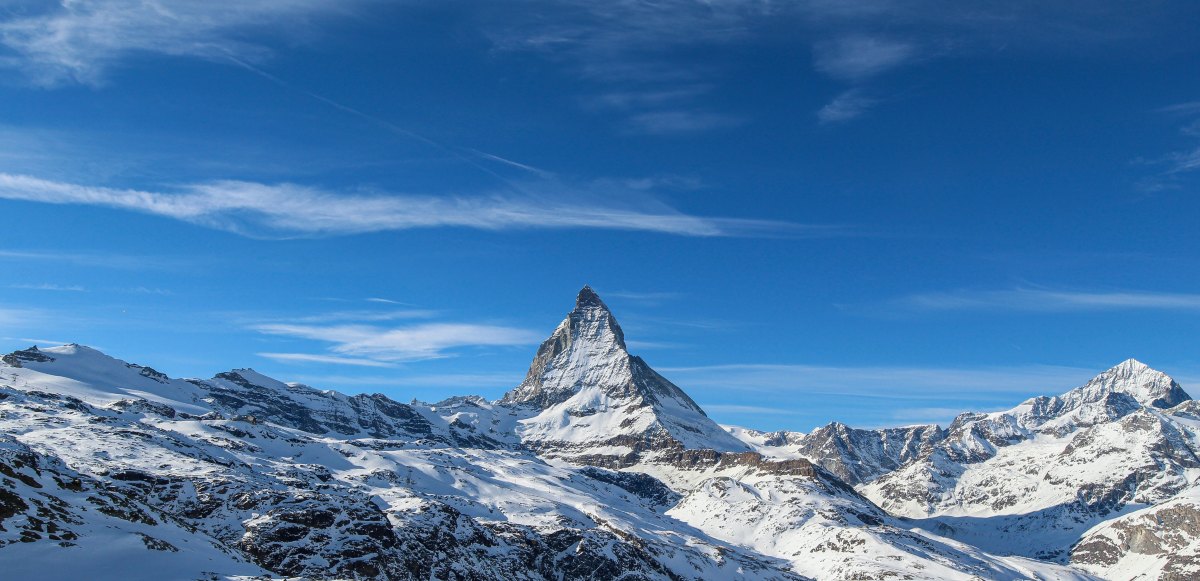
column 588, row 395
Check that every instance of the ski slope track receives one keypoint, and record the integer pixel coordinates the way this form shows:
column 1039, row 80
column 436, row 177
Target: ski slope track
column 593, row 467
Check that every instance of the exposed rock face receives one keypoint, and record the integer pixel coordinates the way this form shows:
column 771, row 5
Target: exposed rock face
column 1034, row 478
column 594, row 467
column 247, row 393
column 858, row 456
column 1149, row 387
column 31, row 354
column 588, row 346
column 590, row 400
column 1158, row 542
column 244, row 475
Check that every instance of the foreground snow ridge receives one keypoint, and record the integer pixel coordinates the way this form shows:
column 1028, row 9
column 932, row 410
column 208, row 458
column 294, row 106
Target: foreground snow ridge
column 593, row 467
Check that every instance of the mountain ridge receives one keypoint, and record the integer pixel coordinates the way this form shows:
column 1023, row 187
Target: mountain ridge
column 593, row 465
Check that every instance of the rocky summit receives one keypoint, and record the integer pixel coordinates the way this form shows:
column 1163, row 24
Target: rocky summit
column 589, row 398
column 594, row 467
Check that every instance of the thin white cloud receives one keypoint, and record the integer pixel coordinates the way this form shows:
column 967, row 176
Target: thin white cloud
column 456, row 381
column 91, row 259
column 60, row 42
column 649, row 297
column 324, row 359
column 269, row 210
column 680, row 122
column 1040, row 300
column 876, row 396
column 427, row 341
column 629, row 47
column 883, row 382
column 21, row 318
column 648, row 345
column 857, row 57
column 45, row 286
column 927, row 415
column 1183, row 161
column 35, row 341
column 1175, row 164
column 622, row 48
column 145, row 290
column 846, row 106
column 364, row 316
column 647, row 97
column 1187, row 108
column 385, row 301
column 746, row 409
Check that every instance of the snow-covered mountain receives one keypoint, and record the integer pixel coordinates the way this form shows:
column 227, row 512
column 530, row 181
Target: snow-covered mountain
column 1157, row 542
column 590, row 400
column 1032, row 479
column 244, row 475
column 594, row 467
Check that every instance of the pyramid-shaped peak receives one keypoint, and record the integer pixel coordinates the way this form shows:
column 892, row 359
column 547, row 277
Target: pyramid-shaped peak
column 592, row 320
column 589, row 395
column 1130, row 366
column 1132, row 369
column 586, row 341
column 1146, row 384
column 588, row 299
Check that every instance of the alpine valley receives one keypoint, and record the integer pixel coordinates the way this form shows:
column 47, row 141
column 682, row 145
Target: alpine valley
column 593, row 467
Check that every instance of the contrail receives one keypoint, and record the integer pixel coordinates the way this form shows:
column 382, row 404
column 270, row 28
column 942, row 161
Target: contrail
column 396, row 129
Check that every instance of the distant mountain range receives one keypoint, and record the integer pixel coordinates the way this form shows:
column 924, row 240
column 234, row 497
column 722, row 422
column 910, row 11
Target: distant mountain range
column 593, row 467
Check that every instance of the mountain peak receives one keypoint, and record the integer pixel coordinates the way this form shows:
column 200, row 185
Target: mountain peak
column 1147, row 385
column 589, row 338
column 1129, row 367
column 588, row 299
column 587, row 389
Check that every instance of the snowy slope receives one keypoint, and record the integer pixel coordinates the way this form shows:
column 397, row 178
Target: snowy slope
column 588, row 398
column 1031, row 480
column 58, row 524
column 594, row 467
column 1157, row 542
column 827, row 531
column 276, row 496
column 239, row 494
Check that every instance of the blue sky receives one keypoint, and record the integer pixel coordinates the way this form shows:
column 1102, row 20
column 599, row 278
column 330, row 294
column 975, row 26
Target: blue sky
column 870, row 211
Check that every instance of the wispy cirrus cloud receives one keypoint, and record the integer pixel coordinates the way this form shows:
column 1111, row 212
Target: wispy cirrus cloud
column 643, row 295
column 846, row 106
column 627, row 47
column 624, row 49
column 928, row 415
column 856, row 57
column 54, row 43
column 364, row 316
column 883, row 382
column 1173, row 167
column 324, row 359
column 878, row 395
column 680, row 122
column 36, row 341
column 457, row 381
column 45, row 286
column 746, row 409
column 96, row 259
column 20, row 317
column 382, row 300
column 282, row 210
column 1042, row 300
column 396, row 344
